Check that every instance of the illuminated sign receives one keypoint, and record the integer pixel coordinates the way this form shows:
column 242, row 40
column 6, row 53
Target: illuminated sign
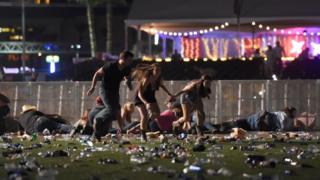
column 52, row 59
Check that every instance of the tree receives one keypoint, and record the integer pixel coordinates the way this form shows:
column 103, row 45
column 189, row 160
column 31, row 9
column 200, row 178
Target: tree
column 90, row 18
column 109, row 4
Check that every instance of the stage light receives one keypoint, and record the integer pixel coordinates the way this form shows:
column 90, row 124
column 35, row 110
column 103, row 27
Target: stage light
column 211, row 30
column 160, row 32
column 275, row 30
column 165, row 33
column 298, row 33
column 289, row 32
column 282, row 31
column 190, row 33
column 147, row 58
column 312, row 33
column 186, row 59
column 152, row 31
column 158, row 60
column 260, row 26
column 274, row 77
column 205, row 31
column 201, row 31
column 315, row 49
column 155, row 31
column 304, row 33
column 175, row 34
column 267, row 28
column 222, row 26
column 179, row 34
column 156, row 39
column 253, row 23
column 39, row 54
column 296, row 46
column 226, row 24
column 170, row 33
column 167, row 59
column 318, row 34
column 195, row 33
column 216, row 28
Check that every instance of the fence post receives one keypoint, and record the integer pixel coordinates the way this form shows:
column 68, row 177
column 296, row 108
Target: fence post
column 317, row 103
column 239, row 100
column 219, row 88
column 76, row 97
column 29, row 89
column 15, row 106
column 268, row 96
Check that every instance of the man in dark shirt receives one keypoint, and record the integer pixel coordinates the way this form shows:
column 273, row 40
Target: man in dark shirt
column 33, row 121
column 112, row 74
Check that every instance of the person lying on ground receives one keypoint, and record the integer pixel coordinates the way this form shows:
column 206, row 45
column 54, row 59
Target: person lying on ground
column 126, row 113
column 167, row 117
column 34, row 121
column 206, row 127
column 82, row 126
column 164, row 122
column 264, row 121
column 305, row 121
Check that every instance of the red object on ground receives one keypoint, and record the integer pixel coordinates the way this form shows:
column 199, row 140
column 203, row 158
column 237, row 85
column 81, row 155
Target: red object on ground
column 165, row 120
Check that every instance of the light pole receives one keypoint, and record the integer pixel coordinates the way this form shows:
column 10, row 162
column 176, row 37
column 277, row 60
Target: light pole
column 23, row 28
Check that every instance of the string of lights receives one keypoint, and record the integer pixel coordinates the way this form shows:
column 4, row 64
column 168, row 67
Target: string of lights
column 191, row 33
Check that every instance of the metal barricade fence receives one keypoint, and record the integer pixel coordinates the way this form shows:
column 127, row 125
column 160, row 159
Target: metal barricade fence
column 229, row 100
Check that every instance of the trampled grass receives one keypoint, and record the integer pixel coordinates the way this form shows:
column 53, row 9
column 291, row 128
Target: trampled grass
column 75, row 167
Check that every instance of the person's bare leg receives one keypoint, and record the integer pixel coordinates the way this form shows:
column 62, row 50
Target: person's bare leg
column 200, row 120
column 119, row 120
column 143, row 121
column 132, row 130
column 154, row 111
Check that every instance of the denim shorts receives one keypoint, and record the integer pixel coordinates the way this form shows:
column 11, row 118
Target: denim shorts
column 186, row 98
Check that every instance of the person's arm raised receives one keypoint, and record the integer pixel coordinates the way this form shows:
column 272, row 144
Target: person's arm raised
column 165, row 88
column 98, row 73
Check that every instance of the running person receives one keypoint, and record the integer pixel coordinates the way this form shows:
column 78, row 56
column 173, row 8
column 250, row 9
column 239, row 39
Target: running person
column 149, row 81
column 191, row 102
column 112, row 74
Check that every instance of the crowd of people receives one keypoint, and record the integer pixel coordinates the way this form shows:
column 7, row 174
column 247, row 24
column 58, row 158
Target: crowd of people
column 185, row 111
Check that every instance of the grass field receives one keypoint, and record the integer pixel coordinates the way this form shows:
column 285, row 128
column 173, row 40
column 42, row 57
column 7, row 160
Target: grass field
column 221, row 159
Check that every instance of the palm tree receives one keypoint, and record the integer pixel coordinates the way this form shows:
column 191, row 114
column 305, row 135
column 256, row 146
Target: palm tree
column 109, row 4
column 90, row 18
